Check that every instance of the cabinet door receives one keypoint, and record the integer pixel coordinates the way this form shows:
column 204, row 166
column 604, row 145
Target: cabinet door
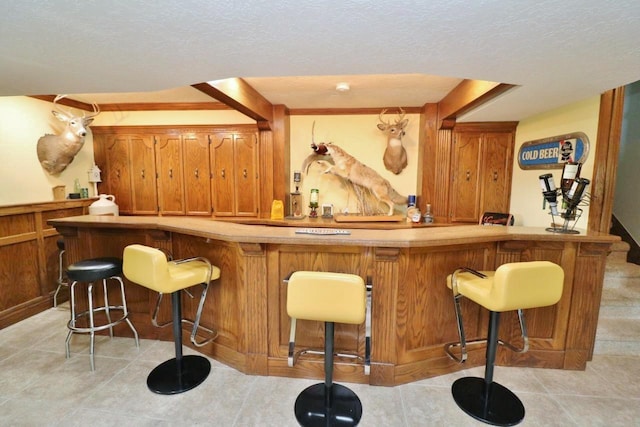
column 246, row 174
column 143, row 175
column 197, row 180
column 465, row 167
column 117, row 173
column 222, row 184
column 496, row 175
column 170, row 175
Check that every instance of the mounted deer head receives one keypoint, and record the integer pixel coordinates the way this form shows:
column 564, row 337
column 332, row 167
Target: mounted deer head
column 395, row 156
column 55, row 152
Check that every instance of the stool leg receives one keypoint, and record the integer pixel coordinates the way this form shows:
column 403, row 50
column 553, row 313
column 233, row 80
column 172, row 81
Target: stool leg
column 484, row 399
column 92, row 334
column 106, row 306
column 72, row 321
column 182, row 373
column 125, row 311
column 60, row 277
column 328, row 404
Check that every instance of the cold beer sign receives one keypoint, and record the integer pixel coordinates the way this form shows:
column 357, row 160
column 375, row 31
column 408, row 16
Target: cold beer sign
column 554, row 152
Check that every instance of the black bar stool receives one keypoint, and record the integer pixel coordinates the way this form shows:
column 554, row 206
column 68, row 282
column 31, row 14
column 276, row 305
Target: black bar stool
column 329, row 298
column 89, row 271
column 513, row 286
column 150, row 268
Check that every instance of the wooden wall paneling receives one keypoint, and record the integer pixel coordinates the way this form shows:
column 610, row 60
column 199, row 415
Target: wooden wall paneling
column 583, row 319
column 310, row 334
column 428, row 166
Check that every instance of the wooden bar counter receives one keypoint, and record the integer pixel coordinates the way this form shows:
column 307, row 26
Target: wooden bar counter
column 412, row 308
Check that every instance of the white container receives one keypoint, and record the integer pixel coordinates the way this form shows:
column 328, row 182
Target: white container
column 105, row 205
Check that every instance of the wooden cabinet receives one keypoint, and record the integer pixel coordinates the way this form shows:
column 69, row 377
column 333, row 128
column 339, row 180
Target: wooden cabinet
column 169, row 164
column 197, row 175
column 481, row 165
column 129, row 172
column 234, row 167
column 179, row 170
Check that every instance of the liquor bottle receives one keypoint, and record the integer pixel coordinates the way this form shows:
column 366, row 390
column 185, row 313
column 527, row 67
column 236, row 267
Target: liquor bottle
column 570, row 172
column 428, row 217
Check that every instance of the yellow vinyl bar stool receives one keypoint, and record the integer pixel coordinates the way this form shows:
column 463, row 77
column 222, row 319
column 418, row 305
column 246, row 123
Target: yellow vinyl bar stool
column 513, row 286
column 150, row 268
column 329, row 298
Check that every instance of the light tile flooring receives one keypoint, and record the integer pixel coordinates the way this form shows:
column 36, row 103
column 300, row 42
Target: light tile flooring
column 39, row 387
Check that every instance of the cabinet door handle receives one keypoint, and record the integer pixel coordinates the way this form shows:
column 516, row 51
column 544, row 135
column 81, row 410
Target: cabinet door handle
column 222, row 173
column 468, row 175
column 142, row 173
column 170, row 173
column 495, row 175
column 196, row 173
column 244, row 173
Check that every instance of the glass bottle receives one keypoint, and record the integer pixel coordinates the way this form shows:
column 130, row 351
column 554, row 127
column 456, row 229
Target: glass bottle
column 428, row 216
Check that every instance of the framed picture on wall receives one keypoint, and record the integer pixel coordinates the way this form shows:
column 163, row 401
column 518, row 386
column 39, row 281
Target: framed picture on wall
column 327, row 210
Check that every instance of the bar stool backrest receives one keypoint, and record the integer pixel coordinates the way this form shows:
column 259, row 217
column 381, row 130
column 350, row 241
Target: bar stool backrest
column 147, row 267
column 326, row 297
column 522, row 285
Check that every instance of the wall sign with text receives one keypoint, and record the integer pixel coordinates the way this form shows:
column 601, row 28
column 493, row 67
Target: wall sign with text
column 554, row 152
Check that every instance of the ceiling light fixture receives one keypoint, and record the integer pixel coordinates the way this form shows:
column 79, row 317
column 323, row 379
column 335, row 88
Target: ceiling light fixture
column 342, row 87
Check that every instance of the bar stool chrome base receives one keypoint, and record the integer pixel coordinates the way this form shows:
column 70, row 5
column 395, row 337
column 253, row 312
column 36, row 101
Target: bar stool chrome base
column 90, row 271
column 173, row 376
column 496, row 405
column 311, row 409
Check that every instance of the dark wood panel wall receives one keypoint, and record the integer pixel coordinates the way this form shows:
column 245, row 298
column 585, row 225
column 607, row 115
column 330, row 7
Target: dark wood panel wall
column 29, row 257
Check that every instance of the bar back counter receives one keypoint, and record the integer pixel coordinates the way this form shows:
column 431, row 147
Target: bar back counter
column 412, row 308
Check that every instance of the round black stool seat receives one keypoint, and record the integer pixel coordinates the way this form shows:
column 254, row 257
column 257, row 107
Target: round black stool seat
column 90, row 270
column 60, row 244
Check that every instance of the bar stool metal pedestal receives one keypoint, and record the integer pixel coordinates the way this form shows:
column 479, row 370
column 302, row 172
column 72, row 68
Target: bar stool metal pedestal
column 89, row 271
column 149, row 267
column 513, row 286
column 327, row 297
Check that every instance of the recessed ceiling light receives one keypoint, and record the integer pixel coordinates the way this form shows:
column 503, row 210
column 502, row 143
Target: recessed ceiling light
column 342, row 87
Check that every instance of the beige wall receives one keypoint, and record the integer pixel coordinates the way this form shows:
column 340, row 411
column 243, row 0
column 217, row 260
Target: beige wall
column 24, row 120
column 526, row 194
column 360, row 137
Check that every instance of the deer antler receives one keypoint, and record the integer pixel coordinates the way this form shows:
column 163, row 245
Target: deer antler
column 57, row 106
column 96, row 111
column 402, row 114
column 384, row 122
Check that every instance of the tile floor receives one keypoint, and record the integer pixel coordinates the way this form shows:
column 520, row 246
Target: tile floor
column 39, row 387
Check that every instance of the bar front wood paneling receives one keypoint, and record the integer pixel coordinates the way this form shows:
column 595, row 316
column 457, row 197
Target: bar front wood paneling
column 412, row 309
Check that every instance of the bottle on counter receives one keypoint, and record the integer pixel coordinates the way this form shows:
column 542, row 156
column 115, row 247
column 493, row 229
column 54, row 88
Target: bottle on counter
column 428, row 216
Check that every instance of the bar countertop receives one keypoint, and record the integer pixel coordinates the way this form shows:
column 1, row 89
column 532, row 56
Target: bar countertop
column 398, row 238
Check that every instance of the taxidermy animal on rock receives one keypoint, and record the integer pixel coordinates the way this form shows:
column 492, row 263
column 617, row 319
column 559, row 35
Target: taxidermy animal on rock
column 55, row 152
column 395, row 156
column 348, row 167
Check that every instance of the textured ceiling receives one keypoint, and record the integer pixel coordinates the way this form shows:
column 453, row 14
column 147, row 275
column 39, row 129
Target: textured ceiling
column 557, row 52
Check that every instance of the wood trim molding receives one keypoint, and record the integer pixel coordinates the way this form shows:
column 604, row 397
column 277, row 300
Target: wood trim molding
column 468, row 95
column 347, row 111
column 606, row 160
column 239, row 95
